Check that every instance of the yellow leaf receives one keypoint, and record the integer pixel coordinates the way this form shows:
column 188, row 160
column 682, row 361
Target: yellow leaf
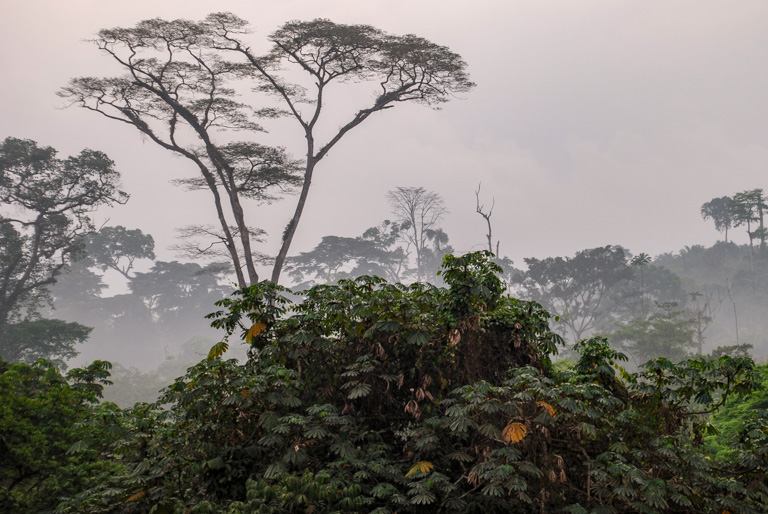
column 136, row 496
column 217, row 350
column 420, row 467
column 547, row 407
column 255, row 330
column 514, row 432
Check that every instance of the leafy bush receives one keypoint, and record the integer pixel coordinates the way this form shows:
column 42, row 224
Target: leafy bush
column 374, row 397
column 53, row 433
column 735, row 414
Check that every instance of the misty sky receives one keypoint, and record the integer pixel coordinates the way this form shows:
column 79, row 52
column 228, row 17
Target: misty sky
column 592, row 123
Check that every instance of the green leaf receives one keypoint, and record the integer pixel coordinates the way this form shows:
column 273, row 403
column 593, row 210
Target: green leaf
column 418, row 338
column 359, row 391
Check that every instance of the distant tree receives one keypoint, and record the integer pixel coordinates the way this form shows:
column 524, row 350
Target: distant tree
column 51, row 339
column 377, row 252
column 720, row 211
column 704, row 308
column 432, row 258
column 390, row 259
column 77, row 297
column 326, row 262
column 178, row 294
column 508, row 271
column 729, row 290
column 420, row 211
column 638, row 296
column 117, row 248
column 574, row 288
column 180, row 91
column 77, row 287
column 668, row 333
column 748, row 208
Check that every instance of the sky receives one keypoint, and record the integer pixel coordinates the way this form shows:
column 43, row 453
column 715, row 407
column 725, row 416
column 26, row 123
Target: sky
column 592, row 123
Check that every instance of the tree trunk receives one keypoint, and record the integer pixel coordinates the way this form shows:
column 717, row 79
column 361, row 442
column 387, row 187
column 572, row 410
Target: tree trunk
column 290, row 230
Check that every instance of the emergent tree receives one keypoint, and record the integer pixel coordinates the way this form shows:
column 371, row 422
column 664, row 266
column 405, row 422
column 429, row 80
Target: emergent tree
column 179, row 83
column 720, row 211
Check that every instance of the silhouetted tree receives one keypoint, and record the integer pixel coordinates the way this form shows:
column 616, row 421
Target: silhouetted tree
column 487, row 217
column 377, row 252
column 720, row 211
column 179, row 91
column 747, row 208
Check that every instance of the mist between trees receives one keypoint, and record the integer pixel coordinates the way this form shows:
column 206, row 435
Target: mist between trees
column 688, row 302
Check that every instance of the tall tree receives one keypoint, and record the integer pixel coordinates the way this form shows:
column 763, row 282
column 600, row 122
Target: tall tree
column 640, row 261
column 48, row 204
column 703, row 307
column 421, row 211
column 179, row 83
column 747, row 208
column 720, row 211
column 750, row 207
column 574, row 288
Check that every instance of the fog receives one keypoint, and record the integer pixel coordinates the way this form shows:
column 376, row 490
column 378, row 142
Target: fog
column 592, row 123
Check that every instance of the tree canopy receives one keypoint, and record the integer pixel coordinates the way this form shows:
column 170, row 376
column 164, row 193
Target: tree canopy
column 574, row 288
column 180, row 91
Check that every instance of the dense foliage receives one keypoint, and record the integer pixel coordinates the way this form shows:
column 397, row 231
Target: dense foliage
column 53, row 434
column 737, row 412
column 373, row 397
